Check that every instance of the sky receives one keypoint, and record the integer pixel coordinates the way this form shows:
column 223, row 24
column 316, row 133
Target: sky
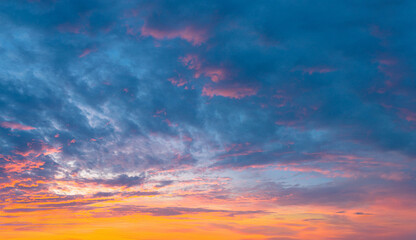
column 234, row 120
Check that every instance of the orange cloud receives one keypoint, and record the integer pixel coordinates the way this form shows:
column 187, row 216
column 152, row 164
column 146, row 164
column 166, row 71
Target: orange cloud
column 21, row 166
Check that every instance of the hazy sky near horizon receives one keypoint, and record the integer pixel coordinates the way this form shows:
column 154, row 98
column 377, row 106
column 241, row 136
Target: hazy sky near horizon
column 207, row 119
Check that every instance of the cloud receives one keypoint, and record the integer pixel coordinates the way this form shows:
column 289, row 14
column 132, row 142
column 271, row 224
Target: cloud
column 164, row 183
column 75, row 205
column 298, row 105
column 122, row 180
column 194, row 36
column 17, row 126
column 86, row 52
column 174, row 211
column 233, row 91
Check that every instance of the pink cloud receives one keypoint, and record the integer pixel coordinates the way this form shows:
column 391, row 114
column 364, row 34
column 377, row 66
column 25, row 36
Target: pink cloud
column 170, row 124
column 337, row 172
column 18, row 126
column 241, row 153
column 182, row 158
column 45, row 150
column 86, row 52
column 394, row 176
column 408, row 115
column 70, row 28
column 312, row 70
column 160, row 113
column 237, row 146
column 131, row 31
column 392, row 69
column 190, row 34
column 215, row 74
column 347, row 166
column 315, row 69
column 234, row 91
column 285, row 123
column 179, row 82
column 187, row 138
column 379, row 33
column 282, row 97
column 192, row 61
column 387, row 61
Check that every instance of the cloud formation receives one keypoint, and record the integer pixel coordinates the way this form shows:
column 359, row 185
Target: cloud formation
column 292, row 113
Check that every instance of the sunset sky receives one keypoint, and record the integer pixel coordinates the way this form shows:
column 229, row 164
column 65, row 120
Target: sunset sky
column 216, row 119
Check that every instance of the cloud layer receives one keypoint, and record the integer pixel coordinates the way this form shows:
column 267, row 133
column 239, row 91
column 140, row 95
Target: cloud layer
column 297, row 114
